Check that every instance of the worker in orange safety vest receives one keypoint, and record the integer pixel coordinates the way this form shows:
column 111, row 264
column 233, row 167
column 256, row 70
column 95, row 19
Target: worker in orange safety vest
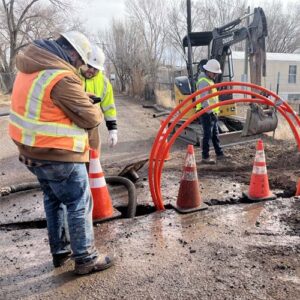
column 52, row 121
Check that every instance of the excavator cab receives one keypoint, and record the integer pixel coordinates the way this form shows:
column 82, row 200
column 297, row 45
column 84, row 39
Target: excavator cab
column 218, row 42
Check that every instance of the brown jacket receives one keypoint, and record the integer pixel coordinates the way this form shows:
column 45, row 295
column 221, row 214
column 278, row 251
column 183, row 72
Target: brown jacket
column 69, row 96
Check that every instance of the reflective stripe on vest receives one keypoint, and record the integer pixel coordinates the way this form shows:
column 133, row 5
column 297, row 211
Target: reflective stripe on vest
column 28, row 126
column 105, row 82
column 37, row 91
column 211, row 100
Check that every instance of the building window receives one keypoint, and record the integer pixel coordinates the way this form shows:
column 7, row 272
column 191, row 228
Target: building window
column 292, row 73
column 293, row 96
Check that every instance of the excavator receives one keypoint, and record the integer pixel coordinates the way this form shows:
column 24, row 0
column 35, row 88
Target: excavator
column 233, row 129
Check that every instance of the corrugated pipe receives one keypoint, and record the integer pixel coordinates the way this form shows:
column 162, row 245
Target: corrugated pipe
column 132, row 196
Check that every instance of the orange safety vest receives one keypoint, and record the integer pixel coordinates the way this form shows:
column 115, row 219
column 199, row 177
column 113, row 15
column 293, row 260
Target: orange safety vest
column 36, row 121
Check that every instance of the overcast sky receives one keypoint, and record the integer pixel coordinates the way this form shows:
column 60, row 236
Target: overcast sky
column 97, row 14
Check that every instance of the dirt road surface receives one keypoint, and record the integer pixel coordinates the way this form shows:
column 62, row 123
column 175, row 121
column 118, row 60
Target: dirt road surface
column 232, row 250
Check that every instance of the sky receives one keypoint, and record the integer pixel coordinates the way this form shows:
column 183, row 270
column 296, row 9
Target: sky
column 97, row 14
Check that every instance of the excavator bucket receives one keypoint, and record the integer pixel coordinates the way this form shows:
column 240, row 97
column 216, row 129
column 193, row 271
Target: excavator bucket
column 259, row 120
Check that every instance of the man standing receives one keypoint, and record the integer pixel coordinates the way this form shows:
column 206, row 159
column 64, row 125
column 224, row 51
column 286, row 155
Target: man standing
column 209, row 120
column 51, row 119
column 96, row 83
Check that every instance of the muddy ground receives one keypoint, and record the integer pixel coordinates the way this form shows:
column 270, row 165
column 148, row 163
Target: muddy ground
column 232, row 250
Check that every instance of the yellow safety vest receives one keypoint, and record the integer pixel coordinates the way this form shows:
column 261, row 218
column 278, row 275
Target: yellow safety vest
column 101, row 87
column 211, row 100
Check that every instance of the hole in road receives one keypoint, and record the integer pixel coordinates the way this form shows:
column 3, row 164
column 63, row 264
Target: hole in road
column 141, row 210
column 24, row 225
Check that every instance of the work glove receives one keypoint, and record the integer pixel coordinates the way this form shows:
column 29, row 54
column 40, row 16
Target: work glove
column 112, row 137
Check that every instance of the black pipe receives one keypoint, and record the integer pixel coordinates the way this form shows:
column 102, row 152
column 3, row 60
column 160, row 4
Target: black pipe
column 161, row 114
column 154, row 106
column 4, row 114
column 132, row 196
column 18, row 188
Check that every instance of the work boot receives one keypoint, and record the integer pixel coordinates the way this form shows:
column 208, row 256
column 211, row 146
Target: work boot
column 208, row 161
column 99, row 264
column 60, row 259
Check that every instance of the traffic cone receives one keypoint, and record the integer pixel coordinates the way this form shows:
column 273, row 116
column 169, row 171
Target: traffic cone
column 259, row 183
column 168, row 157
column 298, row 189
column 102, row 209
column 189, row 198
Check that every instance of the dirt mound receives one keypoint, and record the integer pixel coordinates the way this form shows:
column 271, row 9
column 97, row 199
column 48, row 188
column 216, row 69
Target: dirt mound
column 282, row 158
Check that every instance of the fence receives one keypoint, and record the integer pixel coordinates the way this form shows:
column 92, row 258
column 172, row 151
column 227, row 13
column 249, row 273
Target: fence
column 6, row 81
column 164, row 87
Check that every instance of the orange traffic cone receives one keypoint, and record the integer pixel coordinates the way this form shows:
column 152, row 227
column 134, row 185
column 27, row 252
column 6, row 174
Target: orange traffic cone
column 103, row 208
column 165, row 143
column 189, row 198
column 259, row 183
column 298, row 189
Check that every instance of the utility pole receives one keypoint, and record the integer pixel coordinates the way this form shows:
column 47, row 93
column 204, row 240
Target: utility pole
column 190, row 60
column 278, row 80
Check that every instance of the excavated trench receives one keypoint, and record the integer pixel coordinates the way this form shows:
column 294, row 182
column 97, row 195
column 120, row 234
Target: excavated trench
column 232, row 178
column 146, row 209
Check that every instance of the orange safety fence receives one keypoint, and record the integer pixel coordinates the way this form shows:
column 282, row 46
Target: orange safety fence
column 156, row 165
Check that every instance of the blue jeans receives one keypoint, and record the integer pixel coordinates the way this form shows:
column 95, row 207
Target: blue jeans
column 210, row 132
column 68, row 207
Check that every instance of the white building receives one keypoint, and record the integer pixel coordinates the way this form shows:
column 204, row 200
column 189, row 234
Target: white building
column 284, row 66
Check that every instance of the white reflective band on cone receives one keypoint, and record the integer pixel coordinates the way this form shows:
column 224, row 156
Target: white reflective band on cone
column 97, row 182
column 190, row 161
column 260, row 156
column 189, row 176
column 95, row 166
column 259, row 170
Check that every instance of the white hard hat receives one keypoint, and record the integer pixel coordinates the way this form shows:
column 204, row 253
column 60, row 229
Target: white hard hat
column 80, row 43
column 213, row 66
column 97, row 58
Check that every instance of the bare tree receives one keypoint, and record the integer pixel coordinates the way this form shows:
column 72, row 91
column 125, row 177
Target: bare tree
column 136, row 46
column 23, row 21
column 282, row 20
column 121, row 44
column 206, row 15
column 283, row 26
column 150, row 20
column 177, row 22
column 220, row 12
